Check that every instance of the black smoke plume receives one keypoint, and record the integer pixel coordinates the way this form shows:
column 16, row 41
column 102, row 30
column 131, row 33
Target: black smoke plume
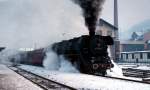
column 91, row 10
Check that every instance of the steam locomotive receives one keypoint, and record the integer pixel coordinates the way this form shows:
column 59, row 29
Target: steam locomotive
column 87, row 53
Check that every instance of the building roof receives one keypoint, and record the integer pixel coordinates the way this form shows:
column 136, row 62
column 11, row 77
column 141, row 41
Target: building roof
column 132, row 42
column 137, row 36
column 139, row 33
column 136, row 52
column 102, row 21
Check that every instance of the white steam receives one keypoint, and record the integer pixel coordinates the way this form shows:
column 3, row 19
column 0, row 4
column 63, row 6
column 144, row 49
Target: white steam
column 116, row 70
column 51, row 61
column 7, row 54
column 38, row 23
column 66, row 66
column 59, row 63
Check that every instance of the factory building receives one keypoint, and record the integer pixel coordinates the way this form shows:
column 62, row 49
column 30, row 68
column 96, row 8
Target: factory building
column 137, row 49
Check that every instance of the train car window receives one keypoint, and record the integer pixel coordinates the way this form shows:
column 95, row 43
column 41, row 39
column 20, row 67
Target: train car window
column 148, row 55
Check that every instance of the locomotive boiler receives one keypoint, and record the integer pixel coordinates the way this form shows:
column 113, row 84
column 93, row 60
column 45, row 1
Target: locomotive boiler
column 87, row 53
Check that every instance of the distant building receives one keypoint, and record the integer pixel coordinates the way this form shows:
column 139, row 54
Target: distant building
column 147, row 40
column 106, row 29
column 146, row 36
column 137, row 49
column 139, row 41
column 147, row 45
column 128, row 46
column 137, row 36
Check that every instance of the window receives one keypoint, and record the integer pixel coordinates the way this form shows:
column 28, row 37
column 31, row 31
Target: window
column 109, row 33
column 144, row 55
column 101, row 24
column 148, row 55
column 141, row 56
column 127, row 56
column 132, row 56
column 121, row 56
column 99, row 32
column 124, row 56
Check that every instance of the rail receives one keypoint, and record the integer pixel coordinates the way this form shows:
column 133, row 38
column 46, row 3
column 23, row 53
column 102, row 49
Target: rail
column 42, row 82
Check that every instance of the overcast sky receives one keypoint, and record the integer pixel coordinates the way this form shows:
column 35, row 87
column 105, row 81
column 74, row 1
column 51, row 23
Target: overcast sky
column 130, row 12
column 28, row 20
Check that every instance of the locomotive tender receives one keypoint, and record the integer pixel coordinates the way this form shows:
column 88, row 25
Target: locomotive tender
column 87, row 53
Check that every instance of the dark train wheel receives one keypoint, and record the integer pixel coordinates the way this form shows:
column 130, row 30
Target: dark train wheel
column 87, row 70
column 84, row 69
column 77, row 65
column 104, row 73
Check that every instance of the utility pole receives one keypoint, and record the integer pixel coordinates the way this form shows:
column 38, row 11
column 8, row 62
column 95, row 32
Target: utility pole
column 116, row 13
column 116, row 45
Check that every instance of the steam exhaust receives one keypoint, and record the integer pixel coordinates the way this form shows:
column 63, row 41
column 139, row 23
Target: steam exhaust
column 91, row 10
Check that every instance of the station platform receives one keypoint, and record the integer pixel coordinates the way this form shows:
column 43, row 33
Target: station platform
column 9, row 80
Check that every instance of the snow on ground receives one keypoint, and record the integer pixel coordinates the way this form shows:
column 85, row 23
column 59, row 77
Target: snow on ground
column 115, row 71
column 9, row 80
column 142, row 67
column 83, row 81
column 133, row 66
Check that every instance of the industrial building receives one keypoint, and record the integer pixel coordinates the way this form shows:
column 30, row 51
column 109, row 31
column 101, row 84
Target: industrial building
column 137, row 49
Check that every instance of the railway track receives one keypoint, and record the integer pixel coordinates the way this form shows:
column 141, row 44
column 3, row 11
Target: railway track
column 42, row 82
column 144, row 82
column 124, row 79
column 47, row 84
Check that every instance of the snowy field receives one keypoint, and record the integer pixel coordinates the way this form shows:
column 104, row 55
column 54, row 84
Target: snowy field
column 83, row 81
